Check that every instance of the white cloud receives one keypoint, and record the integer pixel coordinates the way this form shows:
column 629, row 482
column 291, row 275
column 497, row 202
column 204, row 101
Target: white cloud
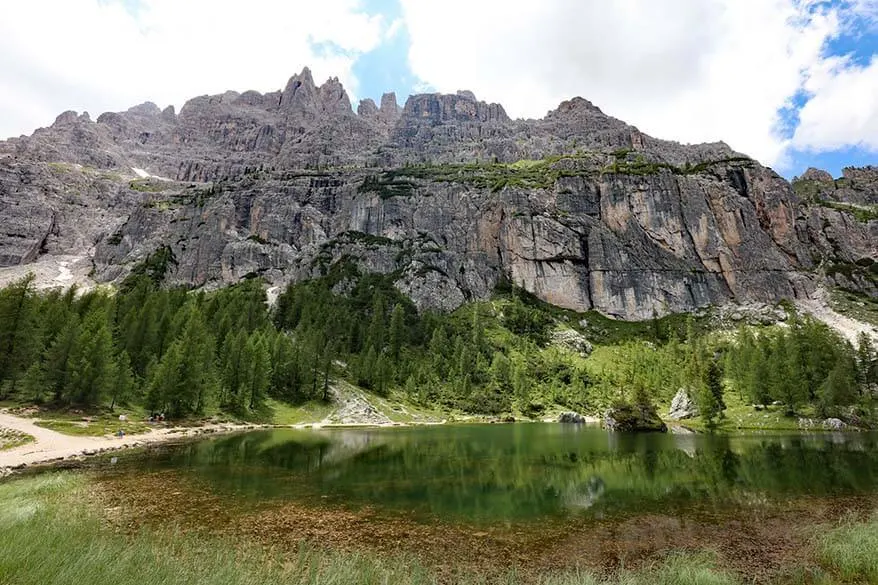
column 843, row 109
column 90, row 55
column 690, row 70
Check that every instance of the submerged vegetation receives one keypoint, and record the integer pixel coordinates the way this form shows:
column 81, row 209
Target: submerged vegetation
column 60, row 513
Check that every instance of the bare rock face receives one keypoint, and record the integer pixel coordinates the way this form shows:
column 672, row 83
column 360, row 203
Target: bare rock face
column 682, row 406
column 447, row 193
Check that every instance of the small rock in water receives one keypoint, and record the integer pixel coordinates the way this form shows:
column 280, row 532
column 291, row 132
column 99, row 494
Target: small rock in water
column 634, row 418
column 572, row 418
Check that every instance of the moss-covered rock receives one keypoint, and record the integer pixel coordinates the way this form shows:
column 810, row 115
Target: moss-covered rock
column 634, row 418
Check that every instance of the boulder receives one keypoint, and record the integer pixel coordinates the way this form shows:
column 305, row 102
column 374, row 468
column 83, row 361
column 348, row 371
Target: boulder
column 834, row 424
column 571, row 418
column 636, row 418
column 572, row 340
column 682, row 406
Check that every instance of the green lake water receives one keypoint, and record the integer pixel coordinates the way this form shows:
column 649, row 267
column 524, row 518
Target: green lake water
column 516, row 472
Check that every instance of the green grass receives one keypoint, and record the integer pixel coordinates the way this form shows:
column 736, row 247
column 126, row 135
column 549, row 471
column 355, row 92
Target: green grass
column 51, row 531
column 862, row 213
column 98, row 426
column 855, row 305
column 740, row 416
column 282, row 413
column 10, row 439
column 48, row 536
column 148, row 185
column 851, row 551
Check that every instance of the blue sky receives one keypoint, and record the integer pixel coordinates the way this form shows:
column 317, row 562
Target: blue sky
column 792, row 82
column 386, row 68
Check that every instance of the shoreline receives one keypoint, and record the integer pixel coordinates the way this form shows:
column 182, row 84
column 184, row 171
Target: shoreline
column 50, row 448
column 53, row 448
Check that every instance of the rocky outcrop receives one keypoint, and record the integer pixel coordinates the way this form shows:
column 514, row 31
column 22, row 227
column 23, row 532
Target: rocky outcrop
column 682, row 406
column 636, row 418
column 572, row 418
column 447, row 193
column 572, row 340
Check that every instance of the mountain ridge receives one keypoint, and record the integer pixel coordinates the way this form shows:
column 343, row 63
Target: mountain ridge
column 446, row 192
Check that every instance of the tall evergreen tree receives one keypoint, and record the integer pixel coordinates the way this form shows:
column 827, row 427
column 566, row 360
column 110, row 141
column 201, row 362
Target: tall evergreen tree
column 397, row 332
column 257, row 371
column 19, row 334
column 185, row 380
column 91, row 365
column 710, row 397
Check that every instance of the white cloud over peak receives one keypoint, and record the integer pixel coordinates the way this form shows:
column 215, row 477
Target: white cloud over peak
column 843, row 108
column 690, row 70
column 90, row 55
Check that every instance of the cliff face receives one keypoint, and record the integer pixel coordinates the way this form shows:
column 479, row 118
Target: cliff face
column 446, row 193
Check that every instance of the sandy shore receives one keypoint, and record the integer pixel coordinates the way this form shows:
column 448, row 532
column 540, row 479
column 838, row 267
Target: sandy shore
column 51, row 446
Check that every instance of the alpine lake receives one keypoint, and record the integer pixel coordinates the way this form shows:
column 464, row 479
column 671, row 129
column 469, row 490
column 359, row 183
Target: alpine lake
column 532, row 496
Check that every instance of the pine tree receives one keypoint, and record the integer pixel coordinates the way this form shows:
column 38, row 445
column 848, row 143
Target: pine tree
column 837, row 389
column 500, row 372
column 258, row 371
column 19, row 334
column 710, row 396
column 867, row 363
column 91, row 363
column 284, row 369
column 397, row 332
column 56, row 364
column 185, row 380
column 123, row 383
column 233, row 361
column 375, row 335
column 437, row 352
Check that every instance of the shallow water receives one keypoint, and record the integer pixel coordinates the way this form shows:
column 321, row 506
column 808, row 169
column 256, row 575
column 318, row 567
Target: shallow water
column 517, row 473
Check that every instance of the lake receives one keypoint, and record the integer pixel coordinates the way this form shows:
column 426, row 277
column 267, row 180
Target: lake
column 528, row 494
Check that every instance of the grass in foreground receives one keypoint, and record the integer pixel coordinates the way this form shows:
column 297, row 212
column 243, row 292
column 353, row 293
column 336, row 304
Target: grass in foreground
column 49, row 533
column 851, row 551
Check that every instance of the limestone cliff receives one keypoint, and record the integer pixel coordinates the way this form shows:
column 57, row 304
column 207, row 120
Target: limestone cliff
column 446, row 193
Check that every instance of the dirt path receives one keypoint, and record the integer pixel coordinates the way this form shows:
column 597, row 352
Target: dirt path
column 50, row 445
column 819, row 308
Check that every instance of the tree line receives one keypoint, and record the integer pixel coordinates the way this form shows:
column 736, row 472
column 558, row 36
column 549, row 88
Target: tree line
column 189, row 352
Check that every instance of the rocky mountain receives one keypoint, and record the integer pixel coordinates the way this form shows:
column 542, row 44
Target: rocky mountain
column 446, row 193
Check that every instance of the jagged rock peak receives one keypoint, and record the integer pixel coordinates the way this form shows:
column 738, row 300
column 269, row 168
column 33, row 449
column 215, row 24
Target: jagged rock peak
column 440, row 107
column 367, row 109
column 389, row 105
column 577, row 104
column 300, row 89
column 66, row 118
column 301, row 94
column 813, row 174
column 333, row 96
column 145, row 109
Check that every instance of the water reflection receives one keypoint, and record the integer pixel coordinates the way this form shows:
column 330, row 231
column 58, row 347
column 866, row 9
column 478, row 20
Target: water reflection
column 515, row 472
